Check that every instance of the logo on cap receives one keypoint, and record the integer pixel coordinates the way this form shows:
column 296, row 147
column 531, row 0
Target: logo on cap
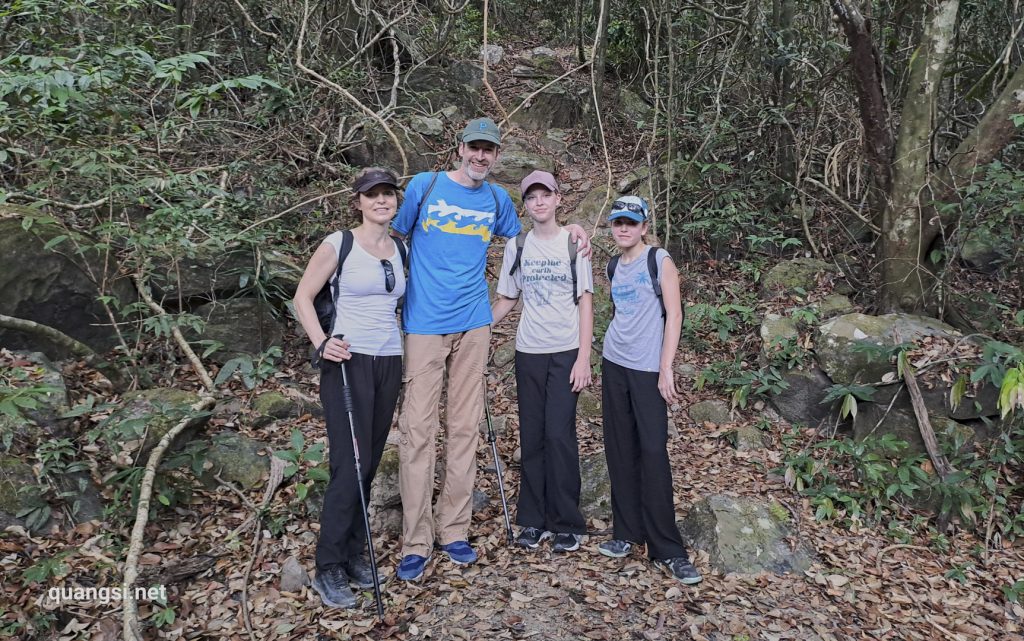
column 483, row 125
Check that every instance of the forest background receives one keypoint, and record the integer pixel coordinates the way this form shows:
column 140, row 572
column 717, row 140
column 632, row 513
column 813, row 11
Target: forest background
column 880, row 139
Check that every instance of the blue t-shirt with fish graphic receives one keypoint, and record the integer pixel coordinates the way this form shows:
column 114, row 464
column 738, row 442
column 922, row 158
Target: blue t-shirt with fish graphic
column 449, row 234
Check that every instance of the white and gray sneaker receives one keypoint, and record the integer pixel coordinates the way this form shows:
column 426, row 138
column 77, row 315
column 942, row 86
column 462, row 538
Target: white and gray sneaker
column 531, row 537
column 566, row 542
column 616, row 548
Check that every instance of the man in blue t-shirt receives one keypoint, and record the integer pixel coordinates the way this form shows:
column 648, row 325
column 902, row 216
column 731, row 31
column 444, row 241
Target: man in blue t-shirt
column 447, row 319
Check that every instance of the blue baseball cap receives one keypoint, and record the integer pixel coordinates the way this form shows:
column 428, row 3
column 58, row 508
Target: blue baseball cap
column 482, row 129
column 631, row 207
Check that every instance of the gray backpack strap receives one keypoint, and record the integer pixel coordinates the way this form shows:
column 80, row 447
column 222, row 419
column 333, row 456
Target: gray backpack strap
column 573, row 250
column 520, row 243
column 652, row 269
column 612, row 264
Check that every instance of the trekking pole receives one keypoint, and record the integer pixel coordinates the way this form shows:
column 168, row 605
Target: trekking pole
column 497, row 465
column 346, row 395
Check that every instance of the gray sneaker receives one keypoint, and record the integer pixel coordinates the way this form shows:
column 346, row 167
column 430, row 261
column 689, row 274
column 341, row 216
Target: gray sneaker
column 531, row 537
column 679, row 569
column 332, row 585
column 616, row 548
column 359, row 572
column 566, row 542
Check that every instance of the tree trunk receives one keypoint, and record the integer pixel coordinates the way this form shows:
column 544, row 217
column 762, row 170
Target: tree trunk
column 874, row 111
column 782, row 23
column 906, row 282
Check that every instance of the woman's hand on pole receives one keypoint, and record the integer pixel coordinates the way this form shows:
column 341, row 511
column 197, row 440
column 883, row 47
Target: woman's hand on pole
column 336, row 349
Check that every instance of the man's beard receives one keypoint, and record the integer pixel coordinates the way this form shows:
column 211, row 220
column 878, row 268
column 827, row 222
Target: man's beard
column 476, row 174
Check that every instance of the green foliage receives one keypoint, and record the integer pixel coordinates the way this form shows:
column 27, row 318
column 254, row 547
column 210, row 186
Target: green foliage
column 849, row 395
column 788, row 353
column 1013, row 592
column 296, row 456
column 251, row 371
column 46, row 568
column 722, row 320
column 853, row 480
column 18, row 392
column 760, row 382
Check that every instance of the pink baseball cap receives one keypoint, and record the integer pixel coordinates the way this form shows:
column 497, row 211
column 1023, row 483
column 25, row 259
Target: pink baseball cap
column 538, row 177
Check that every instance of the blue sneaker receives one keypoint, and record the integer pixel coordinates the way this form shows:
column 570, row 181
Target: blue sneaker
column 460, row 552
column 411, row 567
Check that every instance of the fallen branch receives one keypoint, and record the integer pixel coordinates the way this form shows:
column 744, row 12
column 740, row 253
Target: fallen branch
column 197, row 365
column 60, row 339
column 276, row 476
column 130, row 612
column 942, row 466
column 292, row 208
column 898, row 546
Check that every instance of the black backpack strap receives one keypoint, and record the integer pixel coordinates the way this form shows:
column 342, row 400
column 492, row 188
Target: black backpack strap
column 403, row 255
column 612, row 264
column 520, row 243
column 419, row 211
column 346, row 248
column 573, row 250
column 652, row 268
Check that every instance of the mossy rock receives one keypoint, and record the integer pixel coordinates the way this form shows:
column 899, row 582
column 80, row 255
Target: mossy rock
column 851, row 348
column 832, row 306
column 237, row 459
column 504, row 354
column 243, row 326
column 875, row 420
column 588, row 406
column 557, row 106
column 744, row 536
column 18, row 490
column 52, row 286
column 595, row 487
column 710, row 411
column 272, row 406
column 792, row 275
column 152, row 413
column 776, row 329
column 385, row 493
column 516, row 162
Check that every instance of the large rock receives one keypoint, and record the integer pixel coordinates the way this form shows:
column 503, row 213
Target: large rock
column 543, row 59
column 54, row 287
column 850, row 348
column 457, row 87
column 50, row 399
column 209, row 272
column 244, row 326
column 515, row 162
column 832, row 306
column 636, row 109
column 596, row 487
column 237, row 459
column 385, row 491
column 19, row 491
column 376, row 148
column 875, row 420
column 557, row 106
column 792, row 275
column 982, row 251
column 776, row 329
column 149, row 414
column 710, row 411
column 801, row 402
column 593, row 208
column 744, row 536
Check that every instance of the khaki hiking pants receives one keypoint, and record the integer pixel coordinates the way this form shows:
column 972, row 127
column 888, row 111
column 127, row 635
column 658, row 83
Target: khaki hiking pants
column 427, row 357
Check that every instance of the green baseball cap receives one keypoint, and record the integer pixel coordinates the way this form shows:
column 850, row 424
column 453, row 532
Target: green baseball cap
column 482, row 129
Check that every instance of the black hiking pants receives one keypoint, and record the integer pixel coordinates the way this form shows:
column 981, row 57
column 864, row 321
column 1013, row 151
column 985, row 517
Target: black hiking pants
column 635, row 445
column 549, row 486
column 375, row 382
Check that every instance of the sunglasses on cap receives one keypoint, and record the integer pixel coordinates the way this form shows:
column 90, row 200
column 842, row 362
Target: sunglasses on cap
column 636, row 208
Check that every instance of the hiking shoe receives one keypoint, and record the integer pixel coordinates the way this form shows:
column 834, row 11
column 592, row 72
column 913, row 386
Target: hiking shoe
column 332, row 585
column 565, row 542
column 532, row 537
column 616, row 548
column 679, row 569
column 460, row 552
column 411, row 567
column 359, row 572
